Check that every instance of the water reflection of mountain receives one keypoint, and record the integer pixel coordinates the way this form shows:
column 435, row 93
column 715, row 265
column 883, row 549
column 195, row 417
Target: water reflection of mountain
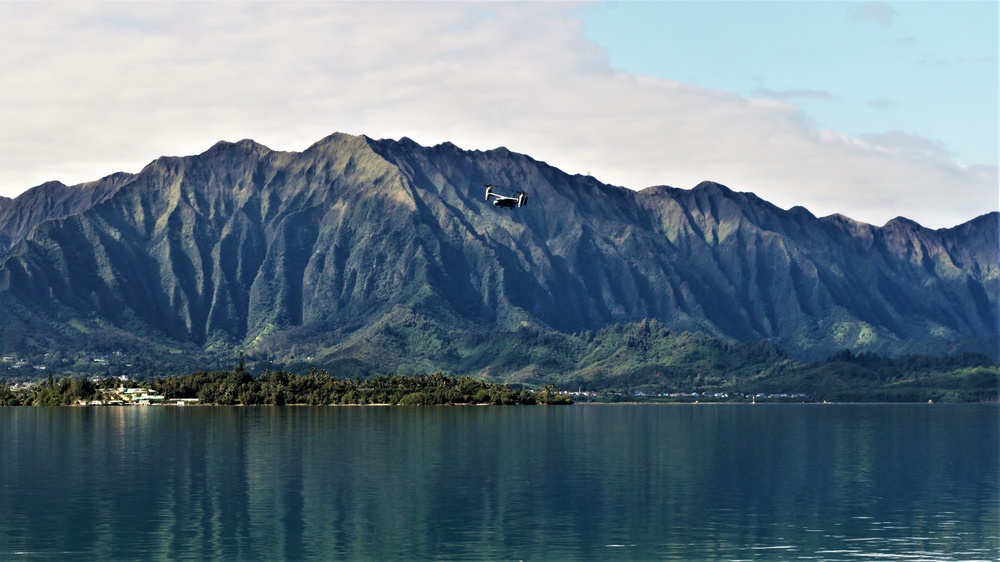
column 582, row 482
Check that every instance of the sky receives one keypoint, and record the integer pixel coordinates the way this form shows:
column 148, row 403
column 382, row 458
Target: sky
column 868, row 109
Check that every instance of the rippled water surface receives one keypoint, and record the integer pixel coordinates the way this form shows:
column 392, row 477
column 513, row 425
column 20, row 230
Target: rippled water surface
column 683, row 482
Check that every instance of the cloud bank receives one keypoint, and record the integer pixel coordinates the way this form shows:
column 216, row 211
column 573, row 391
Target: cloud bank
column 91, row 89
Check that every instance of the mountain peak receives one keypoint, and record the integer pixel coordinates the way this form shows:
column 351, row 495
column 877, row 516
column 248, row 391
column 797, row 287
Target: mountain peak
column 246, row 146
column 712, row 187
column 799, row 210
column 337, row 140
column 902, row 223
column 838, row 218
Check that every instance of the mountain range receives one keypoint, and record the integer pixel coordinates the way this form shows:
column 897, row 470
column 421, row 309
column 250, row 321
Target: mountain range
column 383, row 255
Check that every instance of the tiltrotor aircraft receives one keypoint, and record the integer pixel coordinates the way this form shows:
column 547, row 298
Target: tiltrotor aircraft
column 505, row 201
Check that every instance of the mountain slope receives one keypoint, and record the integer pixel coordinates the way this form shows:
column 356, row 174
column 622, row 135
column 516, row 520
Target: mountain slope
column 354, row 240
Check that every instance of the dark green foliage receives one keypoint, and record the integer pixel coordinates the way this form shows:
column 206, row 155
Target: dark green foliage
column 868, row 377
column 317, row 388
column 320, row 388
column 64, row 392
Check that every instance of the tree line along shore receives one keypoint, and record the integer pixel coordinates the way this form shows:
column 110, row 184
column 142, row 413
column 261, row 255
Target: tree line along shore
column 317, row 388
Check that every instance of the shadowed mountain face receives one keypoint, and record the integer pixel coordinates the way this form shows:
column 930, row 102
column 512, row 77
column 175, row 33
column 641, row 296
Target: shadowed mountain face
column 327, row 248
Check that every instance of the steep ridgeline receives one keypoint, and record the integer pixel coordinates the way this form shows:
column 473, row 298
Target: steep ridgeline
column 336, row 246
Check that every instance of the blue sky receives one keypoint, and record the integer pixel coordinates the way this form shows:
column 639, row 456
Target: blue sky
column 868, row 109
column 924, row 68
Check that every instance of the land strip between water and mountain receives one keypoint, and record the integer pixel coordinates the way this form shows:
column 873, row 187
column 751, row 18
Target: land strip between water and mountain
column 637, row 363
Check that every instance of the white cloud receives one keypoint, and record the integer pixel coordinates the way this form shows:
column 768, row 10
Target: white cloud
column 91, row 89
column 879, row 12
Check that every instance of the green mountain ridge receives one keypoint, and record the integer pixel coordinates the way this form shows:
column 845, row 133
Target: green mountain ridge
column 382, row 256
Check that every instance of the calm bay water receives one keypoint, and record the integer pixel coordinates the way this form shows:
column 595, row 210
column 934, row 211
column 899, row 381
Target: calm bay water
column 684, row 482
